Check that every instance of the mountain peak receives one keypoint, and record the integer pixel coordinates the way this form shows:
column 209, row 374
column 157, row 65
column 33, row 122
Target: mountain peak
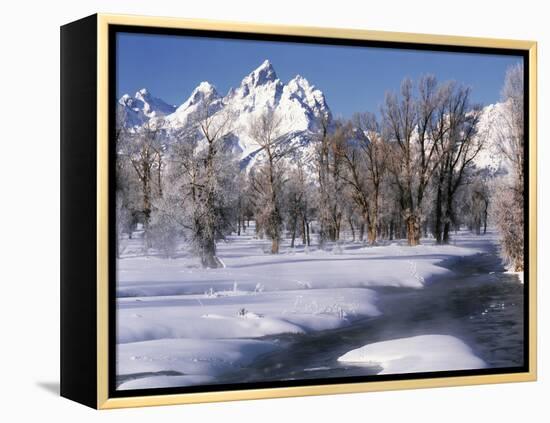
column 260, row 89
column 204, row 93
column 266, row 64
column 125, row 100
column 205, row 90
column 261, row 75
column 205, row 87
column 300, row 82
column 144, row 106
column 144, row 95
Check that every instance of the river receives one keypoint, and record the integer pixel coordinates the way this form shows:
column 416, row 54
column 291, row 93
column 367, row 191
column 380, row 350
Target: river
column 478, row 303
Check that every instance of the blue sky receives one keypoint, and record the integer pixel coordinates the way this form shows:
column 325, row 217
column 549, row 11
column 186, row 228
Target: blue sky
column 352, row 78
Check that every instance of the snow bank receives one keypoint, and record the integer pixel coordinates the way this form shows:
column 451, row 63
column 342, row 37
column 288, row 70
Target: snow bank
column 197, row 361
column 425, row 353
column 238, row 316
column 248, row 265
column 165, row 382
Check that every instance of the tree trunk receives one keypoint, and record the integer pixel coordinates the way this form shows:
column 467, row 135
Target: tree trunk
column 371, row 234
column 322, row 235
column 374, row 219
column 337, row 227
column 159, row 179
column 208, row 254
column 413, row 231
column 350, row 221
column 446, row 232
column 373, row 230
column 485, row 215
column 448, row 219
column 294, row 225
column 304, row 236
column 274, row 246
column 146, row 215
column 210, row 261
column 438, row 212
column 205, row 230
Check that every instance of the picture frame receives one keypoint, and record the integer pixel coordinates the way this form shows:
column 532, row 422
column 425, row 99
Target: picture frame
column 89, row 292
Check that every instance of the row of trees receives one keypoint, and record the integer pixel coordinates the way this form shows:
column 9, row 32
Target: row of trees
column 405, row 174
column 510, row 204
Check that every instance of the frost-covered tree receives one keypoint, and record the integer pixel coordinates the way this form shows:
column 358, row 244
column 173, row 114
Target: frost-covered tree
column 127, row 201
column 511, row 135
column 475, row 200
column 143, row 149
column 124, row 220
column 199, row 196
column 164, row 228
column 509, row 219
column 268, row 176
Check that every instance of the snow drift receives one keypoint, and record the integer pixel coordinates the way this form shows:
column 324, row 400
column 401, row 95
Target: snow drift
column 425, row 353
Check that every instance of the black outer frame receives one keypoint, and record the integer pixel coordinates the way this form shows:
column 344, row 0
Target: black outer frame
column 79, row 114
column 79, row 211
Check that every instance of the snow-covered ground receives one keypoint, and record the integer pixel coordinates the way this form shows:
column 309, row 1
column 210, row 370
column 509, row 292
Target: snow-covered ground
column 194, row 323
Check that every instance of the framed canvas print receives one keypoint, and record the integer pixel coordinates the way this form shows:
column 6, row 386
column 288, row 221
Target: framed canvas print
column 254, row 211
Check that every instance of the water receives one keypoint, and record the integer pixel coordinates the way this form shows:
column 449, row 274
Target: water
column 478, row 303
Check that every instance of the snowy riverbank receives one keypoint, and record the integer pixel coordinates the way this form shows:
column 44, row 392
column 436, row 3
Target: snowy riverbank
column 181, row 325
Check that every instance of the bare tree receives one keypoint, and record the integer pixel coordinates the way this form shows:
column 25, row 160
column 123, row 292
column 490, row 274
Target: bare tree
column 458, row 147
column 329, row 150
column 242, row 205
column 413, row 159
column 268, row 176
column 358, row 188
column 365, row 160
column 296, row 203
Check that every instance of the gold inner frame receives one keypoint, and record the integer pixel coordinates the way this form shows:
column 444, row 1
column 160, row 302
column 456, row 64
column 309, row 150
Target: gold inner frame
column 103, row 400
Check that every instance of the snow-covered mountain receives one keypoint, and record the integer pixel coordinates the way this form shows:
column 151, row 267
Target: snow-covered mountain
column 204, row 94
column 490, row 126
column 143, row 106
column 299, row 104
